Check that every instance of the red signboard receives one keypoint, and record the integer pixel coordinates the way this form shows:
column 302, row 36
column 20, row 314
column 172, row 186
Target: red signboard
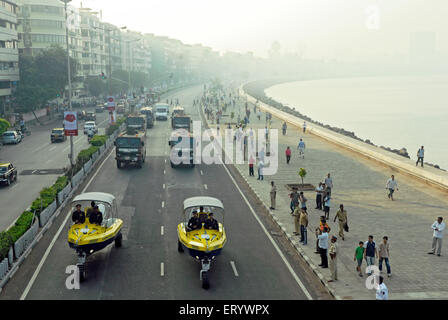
column 70, row 123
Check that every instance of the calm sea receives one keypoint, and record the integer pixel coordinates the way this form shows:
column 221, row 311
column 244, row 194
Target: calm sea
column 394, row 112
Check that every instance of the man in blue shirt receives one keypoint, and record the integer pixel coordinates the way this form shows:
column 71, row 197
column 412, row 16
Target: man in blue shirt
column 370, row 253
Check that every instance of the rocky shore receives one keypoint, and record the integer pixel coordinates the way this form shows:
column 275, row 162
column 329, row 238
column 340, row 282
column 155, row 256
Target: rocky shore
column 256, row 89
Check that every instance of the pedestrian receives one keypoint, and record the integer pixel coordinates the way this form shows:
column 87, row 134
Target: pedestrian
column 319, row 191
column 301, row 147
column 294, row 195
column 341, row 215
column 266, row 133
column 438, row 227
column 273, row 194
column 261, row 155
column 391, row 184
column 382, row 293
column 302, row 200
column 322, row 236
column 260, row 170
column 420, row 156
column 370, row 253
column 359, row 255
column 303, row 227
column 329, row 183
column 284, row 126
column 333, row 252
column 288, row 154
column 322, row 224
column 327, row 204
column 296, row 215
column 251, row 166
column 304, row 126
column 383, row 254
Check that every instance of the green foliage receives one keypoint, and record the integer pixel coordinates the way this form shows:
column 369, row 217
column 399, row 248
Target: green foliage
column 22, row 224
column 98, row 141
column 60, row 183
column 5, row 244
column 112, row 128
column 95, row 86
column 4, row 125
column 86, row 154
column 302, row 174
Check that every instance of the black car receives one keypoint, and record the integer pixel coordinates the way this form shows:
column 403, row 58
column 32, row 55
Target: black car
column 8, row 173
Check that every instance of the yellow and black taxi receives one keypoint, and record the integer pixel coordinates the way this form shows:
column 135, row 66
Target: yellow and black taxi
column 57, row 134
column 8, row 173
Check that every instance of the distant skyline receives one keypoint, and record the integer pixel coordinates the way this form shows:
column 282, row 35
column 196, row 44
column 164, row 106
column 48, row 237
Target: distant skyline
column 320, row 29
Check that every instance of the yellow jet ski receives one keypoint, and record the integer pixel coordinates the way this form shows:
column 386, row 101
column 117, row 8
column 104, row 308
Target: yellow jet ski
column 203, row 240
column 87, row 238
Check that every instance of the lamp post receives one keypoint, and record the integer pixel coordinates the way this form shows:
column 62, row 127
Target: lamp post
column 71, row 156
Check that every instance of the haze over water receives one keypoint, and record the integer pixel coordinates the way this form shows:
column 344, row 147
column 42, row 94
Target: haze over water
column 395, row 112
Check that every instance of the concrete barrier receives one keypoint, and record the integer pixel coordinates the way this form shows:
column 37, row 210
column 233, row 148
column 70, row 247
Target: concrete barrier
column 25, row 240
column 430, row 175
column 77, row 178
column 4, row 268
column 47, row 213
column 11, row 256
column 88, row 166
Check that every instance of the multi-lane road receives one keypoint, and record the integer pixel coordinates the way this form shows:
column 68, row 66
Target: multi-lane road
column 256, row 263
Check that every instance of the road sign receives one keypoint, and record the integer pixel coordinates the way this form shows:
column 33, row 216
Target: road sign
column 110, row 103
column 70, row 123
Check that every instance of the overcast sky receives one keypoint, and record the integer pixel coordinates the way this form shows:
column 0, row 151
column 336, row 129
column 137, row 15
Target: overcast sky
column 316, row 28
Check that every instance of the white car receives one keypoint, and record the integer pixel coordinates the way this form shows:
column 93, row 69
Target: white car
column 90, row 125
column 11, row 137
column 162, row 111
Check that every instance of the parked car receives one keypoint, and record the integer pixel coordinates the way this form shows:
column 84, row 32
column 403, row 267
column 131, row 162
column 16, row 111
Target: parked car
column 11, row 137
column 8, row 173
column 90, row 116
column 99, row 108
column 58, row 134
column 90, row 124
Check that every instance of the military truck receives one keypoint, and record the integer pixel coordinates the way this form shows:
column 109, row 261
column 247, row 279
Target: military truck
column 147, row 111
column 137, row 122
column 182, row 146
column 130, row 148
column 179, row 120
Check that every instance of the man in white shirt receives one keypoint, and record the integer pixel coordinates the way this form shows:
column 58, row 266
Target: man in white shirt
column 438, row 227
column 329, row 182
column 382, row 293
column 391, row 185
column 323, row 247
column 420, row 156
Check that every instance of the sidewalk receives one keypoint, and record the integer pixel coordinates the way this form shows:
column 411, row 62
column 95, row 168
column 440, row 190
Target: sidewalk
column 359, row 184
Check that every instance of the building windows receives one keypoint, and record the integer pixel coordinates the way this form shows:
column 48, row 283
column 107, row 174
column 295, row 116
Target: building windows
column 8, row 44
column 8, row 6
column 7, row 24
column 6, row 66
column 48, row 38
column 5, row 84
column 47, row 9
column 49, row 24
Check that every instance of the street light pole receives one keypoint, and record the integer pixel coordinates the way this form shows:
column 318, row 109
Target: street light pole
column 69, row 81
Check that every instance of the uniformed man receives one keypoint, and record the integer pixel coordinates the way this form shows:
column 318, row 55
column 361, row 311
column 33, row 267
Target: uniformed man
column 91, row 209
column 273, row 194
column 194, row 223
column 96, row 216
column 211, row 222
column 78, row 215
column 333, row 259
column 341, row 215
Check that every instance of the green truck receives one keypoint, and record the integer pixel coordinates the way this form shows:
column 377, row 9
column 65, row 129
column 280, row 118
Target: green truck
column 130, row 145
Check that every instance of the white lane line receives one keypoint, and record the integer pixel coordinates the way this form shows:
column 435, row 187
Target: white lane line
column 164, row 171
column 161, row 230
column 51, row 149
column 205, row 187
column 280, row 253
column 34, row 171
column 48, row 160
column 162, row 269
column 165, row 160
column 47, row 252
column 163, row 186
column 234, row 268
column 163, row 204
column 202, row 173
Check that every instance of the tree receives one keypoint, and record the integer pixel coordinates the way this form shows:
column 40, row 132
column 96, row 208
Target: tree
column 302, row 174
column 95, row 86
column 4, row 125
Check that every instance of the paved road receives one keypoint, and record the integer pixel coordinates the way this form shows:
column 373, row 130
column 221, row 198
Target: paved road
column 37, row 152
column 149, row 199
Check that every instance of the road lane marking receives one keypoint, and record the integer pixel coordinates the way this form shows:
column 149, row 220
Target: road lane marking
column 234, row 268
column 163, row 204
column 164, row 171
column 165, row 160
column 53, row 241
column 280, row 253
column 202, row 173
column 34, row 171
column 163, row 186
column 161, row 230
column 51, row 149
column 162, row 269
column 205, row 187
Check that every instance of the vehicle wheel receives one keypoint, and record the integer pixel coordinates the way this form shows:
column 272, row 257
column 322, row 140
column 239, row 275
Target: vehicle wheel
column 118, row 241
column 172, row 165
column 82, row 273
column 8, row 182
column 118, row 164
column 179, row 247
column 205, row 281
column 15, row 177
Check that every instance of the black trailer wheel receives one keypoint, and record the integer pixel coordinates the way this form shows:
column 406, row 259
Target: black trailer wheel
column 82, row 273
column 179, row 247
column 205, row 281
column 172, row 165
column 118, row 240
column 118, row 164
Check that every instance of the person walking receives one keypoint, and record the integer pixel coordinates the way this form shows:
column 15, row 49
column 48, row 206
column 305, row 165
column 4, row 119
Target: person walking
column 303, row 201
column 260, row 170
column 296, row 215
column 391, row 184
column 333, row 252
column 301, row 147
column 383, row 254
column 251, row 166
column 370, row 253
column 303, row 227
column 273, row 194
column 323, row 247
column 294, row 195
column 288, row 154
column 382, row 293
column 284, row 126
column 438, row 227
column 304, row 126
column 420, row 155
column 327, row 204
column 341, row 215
column 359, row 255
column 329, row 183
column 319, row 191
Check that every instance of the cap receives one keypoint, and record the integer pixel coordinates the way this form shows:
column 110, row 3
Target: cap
column 334, row 237
column 78, row 205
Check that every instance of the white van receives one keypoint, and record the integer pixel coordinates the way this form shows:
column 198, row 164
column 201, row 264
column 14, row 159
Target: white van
column 162, row 111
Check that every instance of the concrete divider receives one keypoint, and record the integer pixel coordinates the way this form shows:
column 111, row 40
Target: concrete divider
column 77, row 178
column 11, row 256
column 47, row 213
column 430, row 175
column 102, row 148
column 4, row 268
column 88, row 166
column 25, row 240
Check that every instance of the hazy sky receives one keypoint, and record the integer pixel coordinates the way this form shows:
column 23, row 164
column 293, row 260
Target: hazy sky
column 316, row 28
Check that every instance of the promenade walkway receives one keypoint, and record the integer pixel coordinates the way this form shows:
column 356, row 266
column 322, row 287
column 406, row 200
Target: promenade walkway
column 359, row 184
